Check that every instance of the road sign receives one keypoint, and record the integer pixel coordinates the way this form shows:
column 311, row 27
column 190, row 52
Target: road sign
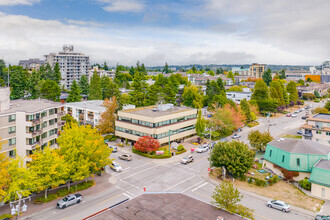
column 208, row 169
column 144, row 189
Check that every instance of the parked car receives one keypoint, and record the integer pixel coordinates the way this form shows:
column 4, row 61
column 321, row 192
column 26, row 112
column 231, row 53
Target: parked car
column 125, row 157
column 297, row 111
column 235, row 136
column 304, row 117
column 288, row 115
column 187, row 159
column 114, row 149
column 69, row 200
column 202, row 148
column 299, row 132
column 322, row 217
column 280, row 205
column 224, row 139
column 211, row 145
column 116, row 166
column 293, row 115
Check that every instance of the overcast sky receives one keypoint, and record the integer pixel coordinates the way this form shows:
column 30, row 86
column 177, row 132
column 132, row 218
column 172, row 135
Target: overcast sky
column 177, row 31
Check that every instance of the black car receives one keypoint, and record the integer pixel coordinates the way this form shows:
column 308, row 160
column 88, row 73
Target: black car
column 304, row 117
column 322, row 217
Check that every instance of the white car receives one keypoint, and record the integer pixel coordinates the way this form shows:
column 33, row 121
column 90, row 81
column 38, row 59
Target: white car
column 297, row 111
column 116, row 166
column 293, row 115
column 202, row 148
column 277, row 204
column 187, row 159
column 235, row 136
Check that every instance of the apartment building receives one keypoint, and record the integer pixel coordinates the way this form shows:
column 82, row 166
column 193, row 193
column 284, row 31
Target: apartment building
column 32, row 64
column 240, row 71
column 317, row 129
column 27, row 123
column 162, row 122
column 86, row 112
column 72, row 64
column 256, row 70
column 101, row 72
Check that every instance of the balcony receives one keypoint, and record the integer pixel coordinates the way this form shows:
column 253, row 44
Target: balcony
column 60, row 114
column 36, row 122
column 60, row 123
column 308, row 134
column 37, row 132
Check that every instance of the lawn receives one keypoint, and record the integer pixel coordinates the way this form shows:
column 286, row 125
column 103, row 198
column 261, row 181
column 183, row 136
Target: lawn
column 292, row 136
column 282, row 191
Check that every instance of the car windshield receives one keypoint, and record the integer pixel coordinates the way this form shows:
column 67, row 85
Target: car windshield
column 116, row 165
column 66, row 198
column 186, row 158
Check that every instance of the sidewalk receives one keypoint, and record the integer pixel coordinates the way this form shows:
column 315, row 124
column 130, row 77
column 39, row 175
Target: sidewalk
column 205, row 176
column 101, row 183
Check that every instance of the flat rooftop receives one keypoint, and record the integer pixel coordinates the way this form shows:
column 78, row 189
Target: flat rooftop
column 164, row 206
column 148, row 111
column 93, row 105
column 322, row 116
column 30, row 106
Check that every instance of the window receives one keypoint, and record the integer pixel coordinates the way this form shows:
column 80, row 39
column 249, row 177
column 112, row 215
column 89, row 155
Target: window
column 12, row 118
column 323, row 192
column 283, row 157
column 12, row 153
column 12, row 129
column 51, row 122
column 270, row 153
column 12, row 141
column 44, row 124
column 298, row 162
column 318, row 132
column 328, row 133
column 51, row 111
column 44, row 135
column 43, row 114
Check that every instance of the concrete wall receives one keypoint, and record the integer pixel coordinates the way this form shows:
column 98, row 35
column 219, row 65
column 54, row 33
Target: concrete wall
column 317, row 191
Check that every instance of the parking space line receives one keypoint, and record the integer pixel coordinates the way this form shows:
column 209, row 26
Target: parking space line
column 180, row 183
column 142, row 171
column 199, row 187
column 127, row 196
column 192, row 186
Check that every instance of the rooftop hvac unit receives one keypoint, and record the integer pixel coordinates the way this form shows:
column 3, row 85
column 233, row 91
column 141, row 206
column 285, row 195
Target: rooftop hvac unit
column 164, row 107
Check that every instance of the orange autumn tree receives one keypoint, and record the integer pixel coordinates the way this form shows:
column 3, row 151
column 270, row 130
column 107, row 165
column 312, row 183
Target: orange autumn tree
column 227, row 119
column 107, row 120
column 146, row 144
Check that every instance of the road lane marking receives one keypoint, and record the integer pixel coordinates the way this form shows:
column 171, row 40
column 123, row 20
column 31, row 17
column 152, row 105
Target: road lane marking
column 130, row 184
column 140, row 166
column 199, row 187
column 208, row 197
column 262, row 216
column 113, row 197
column 180, row 183
column 127, row 196
column 192, row 186
column 142, row 171
column 125, row 191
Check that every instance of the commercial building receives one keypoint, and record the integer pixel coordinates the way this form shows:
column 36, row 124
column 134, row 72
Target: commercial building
column 27, row 123
column 31, row 64
column 86, row 112
column 317, row 128
column 296, row 75
column 238, row 96
column 240, row 71
column 101, row 72
column 72, row 64
column 256, row 70
column 159, row 122
column 320, row 179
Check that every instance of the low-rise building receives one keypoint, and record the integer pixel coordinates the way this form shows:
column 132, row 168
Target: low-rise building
column 295, row 155
column 86, row 112
column 238, row 96
column 32, row 64
column 24, row 124
column 295, row 75
column 317, row 128
column 159, row 122
column 101, row 73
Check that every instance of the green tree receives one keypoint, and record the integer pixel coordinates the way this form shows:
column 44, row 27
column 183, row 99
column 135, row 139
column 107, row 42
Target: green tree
column 194, row 70
column 309, row 80
column 95, row 90
column 200, row 124
column 235, row 89
column 276, row 92
column 230, row 75
column 4, row 176
column 152, row 95
column 267, row 77
column 18, row 82
column 109, row 88
column 192, row 97
column 83, row 83
column 33, row 82
column 211, row 73
column 235, row 156
column 3, row 72
column 69, row 119
column 169, row 94
column 246, row 110
column 57, row 74
column 225, row 196
column 292, row 90
column 301, row 82
column 74, row 93
column 137, row 96
column 327, row 105
column 282, row 74
column 260, row 90
column 105, row 66
column 221, row 85
column 259, row 140
column 50, row 168
column 166, row 69
column 50, row 90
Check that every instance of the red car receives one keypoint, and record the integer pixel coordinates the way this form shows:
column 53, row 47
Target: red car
column 288, row 115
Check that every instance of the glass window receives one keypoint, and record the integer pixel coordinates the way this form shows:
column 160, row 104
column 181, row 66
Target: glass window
column 44, row 135
column 283, row 157
column 12, row 141
column 44, row 124
column 12, row 129
column 12, row 153
column 12, row 118
column 270, row 153
column 43, row 114
column 298, row 162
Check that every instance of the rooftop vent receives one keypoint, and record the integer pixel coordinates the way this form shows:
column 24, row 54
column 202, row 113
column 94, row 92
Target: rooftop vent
column 164, row 107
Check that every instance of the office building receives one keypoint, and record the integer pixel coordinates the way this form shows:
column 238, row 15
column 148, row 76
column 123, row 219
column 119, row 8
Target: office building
column 295, row 75
column 159, row 122
column 256, row 70
column 72, row 64
column 317, row 129
column 27, row 123
column 32, row 64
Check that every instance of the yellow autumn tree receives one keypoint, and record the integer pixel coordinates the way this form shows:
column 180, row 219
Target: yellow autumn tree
column 107, row 120
column 4, row 176
column 83, row 149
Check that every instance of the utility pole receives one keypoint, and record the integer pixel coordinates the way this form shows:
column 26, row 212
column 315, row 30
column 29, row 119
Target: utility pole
column 169, row 141
column 19, row 203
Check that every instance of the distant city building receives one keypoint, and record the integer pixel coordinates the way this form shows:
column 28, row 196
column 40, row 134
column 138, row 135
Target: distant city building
column 72, row 64
column 31, row 64
column 256, row 70
column 317, row 128
column 101, row 72
column 24, row 124
column 295, row 75
column 243, row 72
column 86, row 112
column 238, row 96
column 159, row 122
column 324, row 68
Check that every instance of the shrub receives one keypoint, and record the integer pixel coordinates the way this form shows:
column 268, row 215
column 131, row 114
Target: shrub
column 85, row 185
column 288, row 175
column 182, row 151
column 49, row 198
column 273, row 180
column 260, row 182
column 180, row 147
column 4, row 216
column 62, row 192
column 165, row 155
column 305, row 184
column 250, row 180
column 244, row 211
column 243, row 178
column 317, row 100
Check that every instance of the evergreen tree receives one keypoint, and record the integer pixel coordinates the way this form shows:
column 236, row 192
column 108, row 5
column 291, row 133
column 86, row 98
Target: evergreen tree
column 282, row 74
column 3, row 72
column 292, row 89
column 57, row 74
column 95, row 92
column 74, row 94
column 83, row 83
column 170, row 95
column 200, row 124
column 267, row 77
column 109, row 89
column 221, row 85
column 260, row 90
column 50, row 90
column 105, row 66
column 194, row 70
column 137, row 96
column 166, row 69
column 34, row 80
column 246, row 109
column 152, row 95
column 19, row 82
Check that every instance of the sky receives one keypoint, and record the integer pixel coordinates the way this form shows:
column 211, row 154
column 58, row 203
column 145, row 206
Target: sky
column 178, row 32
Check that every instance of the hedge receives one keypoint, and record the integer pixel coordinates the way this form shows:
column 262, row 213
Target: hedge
column 63, row 192
column 4, row 216
column 163, row 156
column 182, row 151
column 110, row 137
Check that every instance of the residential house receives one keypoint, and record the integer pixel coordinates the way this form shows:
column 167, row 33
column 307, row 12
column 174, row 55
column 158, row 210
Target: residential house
column 317, row 128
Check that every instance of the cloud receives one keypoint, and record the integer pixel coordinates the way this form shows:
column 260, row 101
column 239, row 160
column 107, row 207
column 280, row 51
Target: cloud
column 18, row 2
column 123, row 5
column 84, row 23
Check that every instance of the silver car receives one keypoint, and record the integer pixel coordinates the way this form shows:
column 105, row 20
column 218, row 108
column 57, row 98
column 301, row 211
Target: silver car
column 280, row 205
column 187, row 159
column 69, row 200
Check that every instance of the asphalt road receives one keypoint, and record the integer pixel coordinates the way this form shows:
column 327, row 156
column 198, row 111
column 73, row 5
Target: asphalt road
column 171, row 176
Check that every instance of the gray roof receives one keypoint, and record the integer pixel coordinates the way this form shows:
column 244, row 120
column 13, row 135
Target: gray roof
column 148, row 111
column 300, row 146
column 93, row 105
column 30, row 106
column 322, row 116
column 323, row 164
